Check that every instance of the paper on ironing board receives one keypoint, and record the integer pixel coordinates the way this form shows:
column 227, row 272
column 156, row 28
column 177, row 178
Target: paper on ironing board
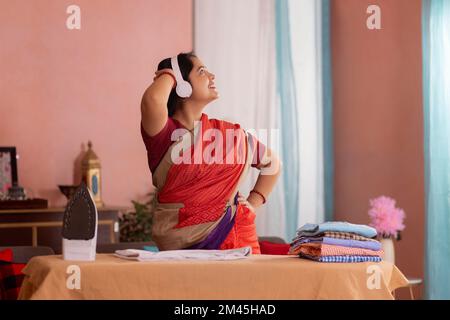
column 198, row 254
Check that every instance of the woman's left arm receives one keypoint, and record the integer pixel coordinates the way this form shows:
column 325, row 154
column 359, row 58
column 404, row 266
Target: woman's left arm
column 270, row 170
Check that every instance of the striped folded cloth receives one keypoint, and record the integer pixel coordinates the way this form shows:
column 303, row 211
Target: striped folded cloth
column 342, row 259
column 346, row 236
column 320, row 249
column 349, row 242
column 370, row 245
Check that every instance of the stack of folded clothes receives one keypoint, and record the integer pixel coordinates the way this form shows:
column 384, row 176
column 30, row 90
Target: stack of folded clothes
column 337, row 242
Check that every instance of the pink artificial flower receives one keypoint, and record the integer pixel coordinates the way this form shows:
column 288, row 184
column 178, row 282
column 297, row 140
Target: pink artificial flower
column 385, row 217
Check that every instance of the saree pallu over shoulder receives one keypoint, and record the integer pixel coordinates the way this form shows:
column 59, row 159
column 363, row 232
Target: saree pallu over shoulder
column 196, row 201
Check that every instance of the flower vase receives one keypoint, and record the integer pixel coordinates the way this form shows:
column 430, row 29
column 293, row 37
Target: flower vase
column 387, row 245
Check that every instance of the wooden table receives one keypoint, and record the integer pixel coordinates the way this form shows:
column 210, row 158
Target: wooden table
column 25, row 227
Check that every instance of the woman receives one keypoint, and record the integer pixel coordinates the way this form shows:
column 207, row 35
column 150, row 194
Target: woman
column 197, row 205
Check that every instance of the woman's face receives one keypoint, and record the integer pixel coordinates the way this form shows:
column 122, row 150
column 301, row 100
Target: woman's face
column 202, row 81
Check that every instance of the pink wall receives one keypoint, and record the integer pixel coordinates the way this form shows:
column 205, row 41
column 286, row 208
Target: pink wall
column 378, row 120
column 59, row 88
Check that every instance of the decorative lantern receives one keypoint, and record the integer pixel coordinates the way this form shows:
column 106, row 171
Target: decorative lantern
column 90, row 168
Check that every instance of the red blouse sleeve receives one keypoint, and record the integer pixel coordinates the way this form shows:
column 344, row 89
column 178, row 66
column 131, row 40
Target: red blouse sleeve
column 158, row 144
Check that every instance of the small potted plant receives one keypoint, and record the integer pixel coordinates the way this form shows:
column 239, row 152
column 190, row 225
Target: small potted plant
column 136, row 225
column 387, row 219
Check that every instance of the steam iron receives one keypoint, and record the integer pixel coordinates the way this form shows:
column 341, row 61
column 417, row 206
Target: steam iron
column 79, row 230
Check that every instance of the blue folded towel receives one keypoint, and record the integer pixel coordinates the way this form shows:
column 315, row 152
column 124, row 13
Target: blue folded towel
column 311, row 229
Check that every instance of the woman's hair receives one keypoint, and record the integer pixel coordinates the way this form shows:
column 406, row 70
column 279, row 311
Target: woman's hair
column 185, row 63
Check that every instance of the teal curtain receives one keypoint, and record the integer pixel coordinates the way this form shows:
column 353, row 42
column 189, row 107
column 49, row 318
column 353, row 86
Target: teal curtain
column 327, row 92
column 289, row 115
column 436, row 84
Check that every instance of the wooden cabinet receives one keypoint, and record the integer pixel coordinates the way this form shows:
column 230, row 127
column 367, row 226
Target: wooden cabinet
column 43, row 227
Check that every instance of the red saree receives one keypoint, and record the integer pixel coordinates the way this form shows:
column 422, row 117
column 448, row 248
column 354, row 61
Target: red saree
column 196, row 205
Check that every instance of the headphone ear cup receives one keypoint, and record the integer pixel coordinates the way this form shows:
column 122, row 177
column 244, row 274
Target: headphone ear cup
column 184, row 89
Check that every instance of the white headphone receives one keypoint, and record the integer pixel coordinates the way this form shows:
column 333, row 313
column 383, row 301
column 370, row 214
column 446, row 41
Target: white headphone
column 184, row 88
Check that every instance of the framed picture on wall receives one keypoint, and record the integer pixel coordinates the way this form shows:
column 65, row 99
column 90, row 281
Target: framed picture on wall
column 8, row 168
